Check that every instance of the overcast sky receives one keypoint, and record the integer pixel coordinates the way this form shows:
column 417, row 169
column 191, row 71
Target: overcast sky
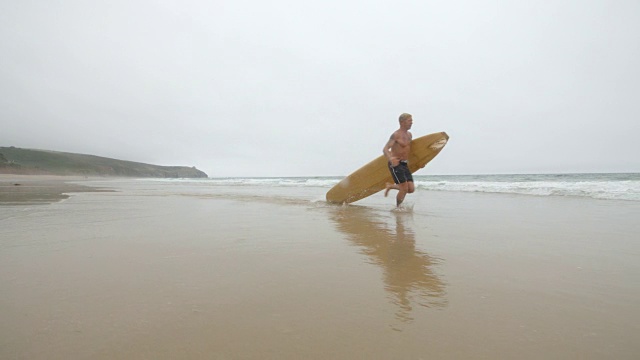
column 301, row 88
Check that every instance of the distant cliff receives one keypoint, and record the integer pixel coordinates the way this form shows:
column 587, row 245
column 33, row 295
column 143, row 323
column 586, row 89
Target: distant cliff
column 43, row 162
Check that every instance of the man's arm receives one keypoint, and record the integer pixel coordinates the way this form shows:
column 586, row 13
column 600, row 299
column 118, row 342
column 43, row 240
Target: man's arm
column 387, row 150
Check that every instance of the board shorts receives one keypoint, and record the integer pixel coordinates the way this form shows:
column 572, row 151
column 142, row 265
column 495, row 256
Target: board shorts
column 401, row 172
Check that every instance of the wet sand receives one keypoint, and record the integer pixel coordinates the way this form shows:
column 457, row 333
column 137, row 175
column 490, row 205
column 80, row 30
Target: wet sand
column 39, row 189
column 157, row 271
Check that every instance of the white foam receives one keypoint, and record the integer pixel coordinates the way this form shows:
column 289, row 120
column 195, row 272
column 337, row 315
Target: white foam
column 598, row 186
column 323, row 182
column 615, row 190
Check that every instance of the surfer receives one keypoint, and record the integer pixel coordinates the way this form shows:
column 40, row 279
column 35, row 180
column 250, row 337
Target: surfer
column 397, row 151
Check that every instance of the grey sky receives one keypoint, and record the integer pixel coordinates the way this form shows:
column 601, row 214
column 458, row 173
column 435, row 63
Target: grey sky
column 287, row 88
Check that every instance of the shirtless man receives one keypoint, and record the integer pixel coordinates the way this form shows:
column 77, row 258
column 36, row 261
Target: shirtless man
column 397, row 152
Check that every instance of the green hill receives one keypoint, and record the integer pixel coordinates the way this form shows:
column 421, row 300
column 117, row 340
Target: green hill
column 40, row 162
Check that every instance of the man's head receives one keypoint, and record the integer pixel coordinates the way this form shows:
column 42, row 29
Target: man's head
column 406, row 120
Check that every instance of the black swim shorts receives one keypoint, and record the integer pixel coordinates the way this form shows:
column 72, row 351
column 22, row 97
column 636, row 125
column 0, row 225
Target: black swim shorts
column 401, row 173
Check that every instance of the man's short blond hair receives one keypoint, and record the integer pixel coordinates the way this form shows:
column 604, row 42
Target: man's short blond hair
column 404, row 116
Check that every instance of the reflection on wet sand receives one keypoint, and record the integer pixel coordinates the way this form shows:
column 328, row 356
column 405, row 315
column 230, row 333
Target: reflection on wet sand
column 389, row 242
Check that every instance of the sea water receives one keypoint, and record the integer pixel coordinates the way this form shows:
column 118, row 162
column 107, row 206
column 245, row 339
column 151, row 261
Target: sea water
column 617, row 186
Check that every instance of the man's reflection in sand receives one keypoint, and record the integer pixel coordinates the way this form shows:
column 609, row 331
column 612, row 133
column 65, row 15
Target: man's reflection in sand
column 389, row 242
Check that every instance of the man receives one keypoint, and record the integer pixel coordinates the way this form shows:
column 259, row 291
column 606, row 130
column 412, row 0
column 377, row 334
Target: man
column 397, row 152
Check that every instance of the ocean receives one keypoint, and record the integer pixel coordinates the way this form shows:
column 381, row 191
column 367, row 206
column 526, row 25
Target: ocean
column 615, row 186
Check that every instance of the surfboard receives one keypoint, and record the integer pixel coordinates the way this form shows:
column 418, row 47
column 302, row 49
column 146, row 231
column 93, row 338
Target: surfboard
column 374, row 176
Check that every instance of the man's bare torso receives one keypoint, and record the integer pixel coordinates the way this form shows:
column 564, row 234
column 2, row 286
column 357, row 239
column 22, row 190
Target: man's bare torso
column 401, row 144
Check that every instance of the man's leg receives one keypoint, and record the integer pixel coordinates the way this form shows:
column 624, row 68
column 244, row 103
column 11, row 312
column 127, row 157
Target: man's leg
column 403, row 189
column 402, row 192
column 389, row 187
column 405, row 185
column 410, row 187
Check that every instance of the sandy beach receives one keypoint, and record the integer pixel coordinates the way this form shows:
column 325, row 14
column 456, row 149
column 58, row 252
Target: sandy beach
column 39, row 189
column 179, row 270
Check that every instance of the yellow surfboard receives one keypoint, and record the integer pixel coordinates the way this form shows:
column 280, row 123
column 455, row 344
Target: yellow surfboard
column 373, row 177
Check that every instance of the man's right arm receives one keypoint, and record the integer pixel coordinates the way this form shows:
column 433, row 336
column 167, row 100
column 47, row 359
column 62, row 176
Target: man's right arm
column 387, row 150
